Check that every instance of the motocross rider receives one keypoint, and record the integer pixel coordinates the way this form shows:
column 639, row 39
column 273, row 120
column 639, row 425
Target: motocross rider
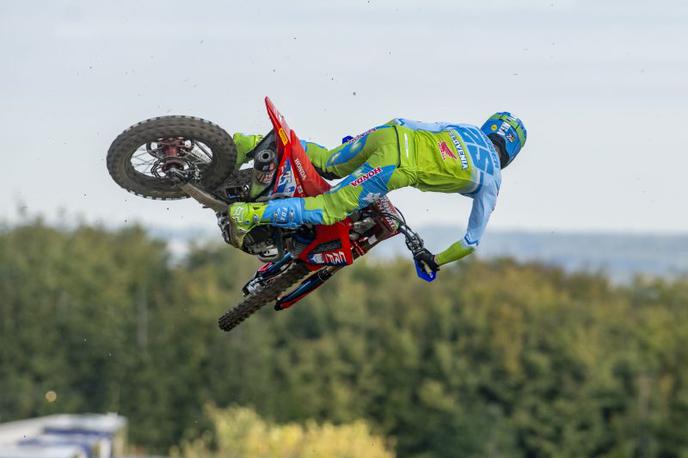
column 440, row 157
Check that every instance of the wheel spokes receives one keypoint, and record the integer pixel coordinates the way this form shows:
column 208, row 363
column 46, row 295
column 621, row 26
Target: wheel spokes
column 155, row 157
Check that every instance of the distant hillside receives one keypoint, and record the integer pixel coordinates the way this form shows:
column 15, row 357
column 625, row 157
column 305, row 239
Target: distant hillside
column 619, row 255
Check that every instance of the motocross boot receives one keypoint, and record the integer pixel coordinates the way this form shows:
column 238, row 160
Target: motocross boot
column 243, row 217
column 244, row 145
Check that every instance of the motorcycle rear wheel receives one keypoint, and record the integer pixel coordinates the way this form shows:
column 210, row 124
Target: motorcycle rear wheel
column 253, row 302
column 207, row 150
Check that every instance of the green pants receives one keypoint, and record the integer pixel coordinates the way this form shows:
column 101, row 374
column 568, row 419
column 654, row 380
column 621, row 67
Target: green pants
column 371, row 166
column 379, row 160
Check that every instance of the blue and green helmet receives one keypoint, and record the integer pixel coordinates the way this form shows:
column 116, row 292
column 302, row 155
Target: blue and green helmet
column 510, row 129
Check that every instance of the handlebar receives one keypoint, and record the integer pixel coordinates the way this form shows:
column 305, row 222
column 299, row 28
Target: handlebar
column 415, row 245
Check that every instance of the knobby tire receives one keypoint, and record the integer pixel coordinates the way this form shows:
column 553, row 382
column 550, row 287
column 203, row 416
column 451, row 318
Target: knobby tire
column 253, row 302
column 220, row 168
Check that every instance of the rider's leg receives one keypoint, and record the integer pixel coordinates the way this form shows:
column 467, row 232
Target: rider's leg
column 244, row 144
column 369, row 182
column 344, row 159
column 335, row 163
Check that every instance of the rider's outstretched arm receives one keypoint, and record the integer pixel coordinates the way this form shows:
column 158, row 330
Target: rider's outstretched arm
column 484, row 203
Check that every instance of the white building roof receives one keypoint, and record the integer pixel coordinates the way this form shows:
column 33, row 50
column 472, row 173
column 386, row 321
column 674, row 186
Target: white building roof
column 15, row 431
column 56, row 451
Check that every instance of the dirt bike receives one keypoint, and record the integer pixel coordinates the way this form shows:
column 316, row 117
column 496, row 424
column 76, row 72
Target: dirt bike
column 175, row 157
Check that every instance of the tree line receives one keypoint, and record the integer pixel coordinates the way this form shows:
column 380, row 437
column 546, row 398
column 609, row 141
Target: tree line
column 495, row 358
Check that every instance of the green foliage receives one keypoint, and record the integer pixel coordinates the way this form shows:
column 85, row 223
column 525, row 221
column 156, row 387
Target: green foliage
column 494, row 359
column 239, row 432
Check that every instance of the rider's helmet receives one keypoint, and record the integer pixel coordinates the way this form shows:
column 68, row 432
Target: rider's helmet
column 508, row 133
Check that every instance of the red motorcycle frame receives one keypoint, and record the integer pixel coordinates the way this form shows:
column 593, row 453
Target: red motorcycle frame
column 295, row 164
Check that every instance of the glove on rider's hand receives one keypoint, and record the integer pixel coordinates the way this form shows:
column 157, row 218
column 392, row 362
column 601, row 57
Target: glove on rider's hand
column 428, row 259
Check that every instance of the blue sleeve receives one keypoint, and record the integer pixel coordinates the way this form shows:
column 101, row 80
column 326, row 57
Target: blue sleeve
column 484, row 202
column 418, row 125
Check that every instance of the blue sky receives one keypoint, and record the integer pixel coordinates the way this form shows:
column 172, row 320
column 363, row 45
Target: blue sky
column 601, row 86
